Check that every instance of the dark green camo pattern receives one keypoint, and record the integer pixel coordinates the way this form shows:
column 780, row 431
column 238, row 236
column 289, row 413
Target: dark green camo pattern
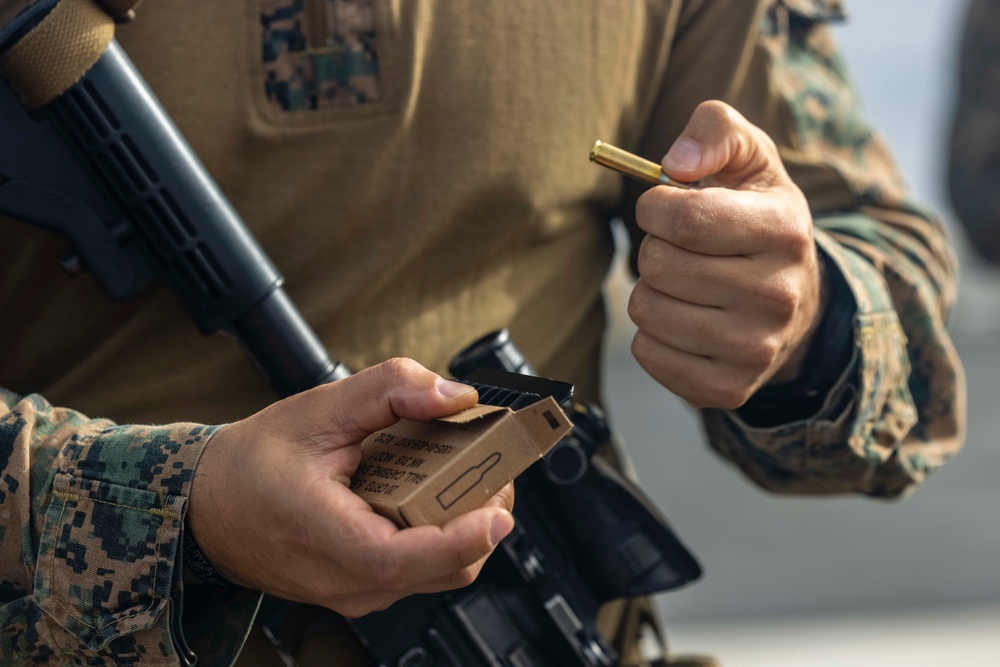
column 95, row 563
column 319, row 54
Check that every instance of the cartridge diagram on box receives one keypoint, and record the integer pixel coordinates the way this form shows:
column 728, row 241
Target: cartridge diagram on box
column 467, row 481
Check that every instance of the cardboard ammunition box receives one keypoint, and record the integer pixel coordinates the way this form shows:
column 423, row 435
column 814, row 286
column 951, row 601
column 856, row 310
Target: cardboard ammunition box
column 419, row 473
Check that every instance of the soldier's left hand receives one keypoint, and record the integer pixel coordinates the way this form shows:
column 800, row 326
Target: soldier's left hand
column 729, row 290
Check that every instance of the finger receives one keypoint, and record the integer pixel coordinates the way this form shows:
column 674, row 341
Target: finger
column 719, row 222
column 415, row 556
column 379, row 396
column 700, row 279
column 458, row 579
column 702, row 382
column 718, row 140
column 681, row 325
column 356, row 606
column 736, row 340
column 504, row 498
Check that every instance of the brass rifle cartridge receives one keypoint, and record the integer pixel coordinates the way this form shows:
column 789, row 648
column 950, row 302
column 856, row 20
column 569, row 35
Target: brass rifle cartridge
column 634, row 166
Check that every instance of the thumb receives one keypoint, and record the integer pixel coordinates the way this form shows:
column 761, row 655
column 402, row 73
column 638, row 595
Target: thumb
column 719, row 142
column 379, row 396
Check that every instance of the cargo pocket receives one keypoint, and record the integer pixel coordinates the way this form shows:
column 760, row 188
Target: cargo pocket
column 321, row 59
column 106, row 559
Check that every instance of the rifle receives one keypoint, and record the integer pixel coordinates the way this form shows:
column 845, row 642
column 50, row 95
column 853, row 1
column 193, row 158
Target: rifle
column 583, row 535
column 103, row 165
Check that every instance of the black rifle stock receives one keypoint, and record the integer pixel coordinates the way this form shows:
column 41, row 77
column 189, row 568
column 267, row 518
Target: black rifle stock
column 105, row 167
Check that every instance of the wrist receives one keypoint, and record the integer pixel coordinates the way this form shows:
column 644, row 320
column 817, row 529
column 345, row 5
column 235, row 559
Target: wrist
column 197, row 567
column 204, row 555
column 815, row 310
column 828, row 356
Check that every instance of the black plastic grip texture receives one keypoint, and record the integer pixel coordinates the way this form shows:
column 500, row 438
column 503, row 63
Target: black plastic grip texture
column 196, row 239
column 104, row 165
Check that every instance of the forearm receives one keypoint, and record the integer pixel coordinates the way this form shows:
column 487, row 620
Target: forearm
column 896, row 408
column 898, row 411
column 90, row 551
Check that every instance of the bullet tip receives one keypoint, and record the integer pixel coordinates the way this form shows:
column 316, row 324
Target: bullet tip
column 595, row 150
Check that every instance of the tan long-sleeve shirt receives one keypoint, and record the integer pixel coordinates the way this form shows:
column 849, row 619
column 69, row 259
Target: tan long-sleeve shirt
column 417, row 171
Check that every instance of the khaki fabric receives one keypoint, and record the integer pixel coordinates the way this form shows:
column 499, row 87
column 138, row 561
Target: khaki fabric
column 450, row 194
column 461, row 202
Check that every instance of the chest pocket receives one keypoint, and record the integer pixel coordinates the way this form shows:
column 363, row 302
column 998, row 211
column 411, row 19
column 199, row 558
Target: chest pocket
column 320, row 55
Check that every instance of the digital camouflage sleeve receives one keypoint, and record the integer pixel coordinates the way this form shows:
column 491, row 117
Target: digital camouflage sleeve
column 90, row 541
column 898, row 411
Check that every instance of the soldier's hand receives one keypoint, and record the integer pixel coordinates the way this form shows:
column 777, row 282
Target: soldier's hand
column 272, row 510
column 729, row 290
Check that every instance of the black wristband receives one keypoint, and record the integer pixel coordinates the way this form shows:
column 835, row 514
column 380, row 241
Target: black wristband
column 198, row 564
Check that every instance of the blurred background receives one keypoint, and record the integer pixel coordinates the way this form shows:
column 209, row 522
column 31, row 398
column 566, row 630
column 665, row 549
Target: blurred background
column 817, row 582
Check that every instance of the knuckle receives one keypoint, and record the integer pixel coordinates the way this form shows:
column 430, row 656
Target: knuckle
column 727, row 389
column 769, row 351
column 793, row 228
column 639, row 307
column 760, row 352
column 698, row 394
column 382, row 606
column 387, row 575
column 692, row 224
column 350, row 610
column 798, row 242
column 369, row 607
column 464, row 577
column 718, row 110
column 639, row 347
column 783, row 299
column 506, row 497
column 646, row 209
column 399, row 368
column 653, row 256
column 730, row 394
column 765, row 141
column 470, row 554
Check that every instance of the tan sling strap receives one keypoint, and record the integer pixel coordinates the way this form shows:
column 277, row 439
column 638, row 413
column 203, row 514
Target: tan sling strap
column 63, row 47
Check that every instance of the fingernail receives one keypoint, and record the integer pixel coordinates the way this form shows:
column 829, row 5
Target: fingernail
column 684, row 155
column 451, row 389
column 502, row 524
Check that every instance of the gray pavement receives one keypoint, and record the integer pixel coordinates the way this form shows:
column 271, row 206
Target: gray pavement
column 817, row 568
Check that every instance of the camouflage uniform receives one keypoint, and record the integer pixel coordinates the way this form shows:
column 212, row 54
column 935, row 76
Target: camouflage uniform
column 974, row 168
column 93, row 513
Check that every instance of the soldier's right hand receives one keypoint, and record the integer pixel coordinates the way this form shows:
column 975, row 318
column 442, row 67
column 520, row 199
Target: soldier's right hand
column 272, row 510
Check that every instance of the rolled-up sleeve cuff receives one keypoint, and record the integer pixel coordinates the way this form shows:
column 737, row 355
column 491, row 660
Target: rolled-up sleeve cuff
column 863, row 417
column 109, row 566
